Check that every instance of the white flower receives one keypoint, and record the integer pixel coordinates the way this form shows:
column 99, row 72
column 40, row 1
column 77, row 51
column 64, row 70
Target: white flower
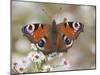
column 47, row 68
column 42, row 56
column 19, row 68
column 33, row 47
column 22, row 65
column 36, row 56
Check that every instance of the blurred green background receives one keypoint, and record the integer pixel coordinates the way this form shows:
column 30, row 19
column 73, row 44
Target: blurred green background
column 81, row 55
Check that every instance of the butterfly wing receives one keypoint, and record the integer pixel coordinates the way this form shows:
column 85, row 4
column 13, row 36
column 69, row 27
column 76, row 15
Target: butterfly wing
column 39, row 34
column 53, row 38
column 68, row 32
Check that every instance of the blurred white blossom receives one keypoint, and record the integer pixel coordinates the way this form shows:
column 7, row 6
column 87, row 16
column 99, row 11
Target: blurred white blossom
column 33, row 47
column 47, row 68
column 22, row 65
column 38, row 61
column 22, row 45
column 36, row 56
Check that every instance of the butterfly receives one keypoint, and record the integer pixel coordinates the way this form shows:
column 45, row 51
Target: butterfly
column 50, row 38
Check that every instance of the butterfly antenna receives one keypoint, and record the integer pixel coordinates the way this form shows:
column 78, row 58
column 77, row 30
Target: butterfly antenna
column 59, row 10
column 46, row 13
column 65, row 19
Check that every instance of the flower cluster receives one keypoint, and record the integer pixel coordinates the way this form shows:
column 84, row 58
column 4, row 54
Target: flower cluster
column 21, row 66
column 35, row 61
column 36, row 56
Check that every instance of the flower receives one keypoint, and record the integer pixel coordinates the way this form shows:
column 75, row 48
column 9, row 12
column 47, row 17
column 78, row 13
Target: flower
column 65, row 63
column 47, row 68
column 21, row 66
column 18, row 68
column 33, row 47
column 36, row 56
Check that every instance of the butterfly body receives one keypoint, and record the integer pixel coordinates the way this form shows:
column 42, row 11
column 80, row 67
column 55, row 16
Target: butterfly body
column 53, row 38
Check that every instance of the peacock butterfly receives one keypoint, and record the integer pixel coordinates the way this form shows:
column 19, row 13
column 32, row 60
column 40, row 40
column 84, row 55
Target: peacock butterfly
column 55, row 37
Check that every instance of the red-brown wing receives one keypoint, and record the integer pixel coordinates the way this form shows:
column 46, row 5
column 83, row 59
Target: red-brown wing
column 66, row 36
